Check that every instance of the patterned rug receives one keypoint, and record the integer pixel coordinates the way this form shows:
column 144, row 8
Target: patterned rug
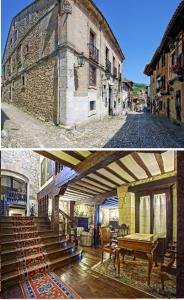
column 134, row 274
column 47, row 286
column 36, row 282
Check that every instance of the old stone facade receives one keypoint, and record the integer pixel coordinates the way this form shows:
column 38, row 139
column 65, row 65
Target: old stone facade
column 167, row 71
column 23, row 164
column 63, row 63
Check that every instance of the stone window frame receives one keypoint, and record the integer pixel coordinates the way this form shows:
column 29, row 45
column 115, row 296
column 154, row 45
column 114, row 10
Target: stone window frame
column 92, row 109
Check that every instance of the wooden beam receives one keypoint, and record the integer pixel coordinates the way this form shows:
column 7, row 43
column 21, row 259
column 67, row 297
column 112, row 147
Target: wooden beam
column 55, row 158
column 90, row 187
column 160, row 162
column 75, row 155
column 122, row 166
column 107, row 179
column 140, row 162
column 91, row 164
column 99, row 182
column 154, row 185
column 116, row 174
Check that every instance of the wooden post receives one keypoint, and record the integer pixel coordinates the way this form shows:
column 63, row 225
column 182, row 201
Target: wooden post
column 72, row 205
column 97, row 226
column 55, row 213
column 180, row 226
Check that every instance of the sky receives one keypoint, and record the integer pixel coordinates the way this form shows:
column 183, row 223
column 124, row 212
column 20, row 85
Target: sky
column 137, row 24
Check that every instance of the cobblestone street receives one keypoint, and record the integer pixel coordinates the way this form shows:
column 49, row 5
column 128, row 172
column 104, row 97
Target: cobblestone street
column 137, row 130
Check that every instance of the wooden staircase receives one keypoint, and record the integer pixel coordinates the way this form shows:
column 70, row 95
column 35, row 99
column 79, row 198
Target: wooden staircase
column 38, row 238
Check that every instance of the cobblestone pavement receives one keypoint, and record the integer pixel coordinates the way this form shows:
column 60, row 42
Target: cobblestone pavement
column 137, row 130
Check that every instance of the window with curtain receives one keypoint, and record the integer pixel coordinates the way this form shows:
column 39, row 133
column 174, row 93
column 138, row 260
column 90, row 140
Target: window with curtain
column 159, row 208
column 152, row 214
column 144, row 214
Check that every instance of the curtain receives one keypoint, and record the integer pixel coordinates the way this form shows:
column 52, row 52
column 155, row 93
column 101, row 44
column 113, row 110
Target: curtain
column 159, row 205
column 144, row 215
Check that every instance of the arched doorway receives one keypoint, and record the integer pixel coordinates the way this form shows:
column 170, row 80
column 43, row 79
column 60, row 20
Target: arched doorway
column 14, row 194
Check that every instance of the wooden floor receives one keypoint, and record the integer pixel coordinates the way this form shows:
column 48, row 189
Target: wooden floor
column 87, row 283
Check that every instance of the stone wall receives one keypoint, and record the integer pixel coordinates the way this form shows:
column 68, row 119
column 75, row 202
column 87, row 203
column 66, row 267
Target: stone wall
column 26, row 163
column 32, row 82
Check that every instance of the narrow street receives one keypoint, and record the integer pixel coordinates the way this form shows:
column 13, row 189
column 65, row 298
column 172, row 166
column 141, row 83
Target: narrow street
column 137, row 130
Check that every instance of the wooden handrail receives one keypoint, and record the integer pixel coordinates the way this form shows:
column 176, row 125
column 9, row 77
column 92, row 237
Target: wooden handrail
column 69, row 225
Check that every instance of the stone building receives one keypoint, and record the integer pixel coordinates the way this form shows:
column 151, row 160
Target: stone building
column 166, row 70
column 20, row 171
column 127, row 88
column 62, row 62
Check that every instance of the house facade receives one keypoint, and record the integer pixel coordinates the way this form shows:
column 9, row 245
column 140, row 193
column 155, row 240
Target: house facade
column 166, row 70
column 126, row 94
column 62, row 63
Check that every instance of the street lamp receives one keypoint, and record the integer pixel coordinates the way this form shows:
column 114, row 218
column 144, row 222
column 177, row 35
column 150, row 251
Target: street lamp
column 81, row 60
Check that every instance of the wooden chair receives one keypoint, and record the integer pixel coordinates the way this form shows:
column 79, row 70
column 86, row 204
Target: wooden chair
column 107, row 244
column 169, row 264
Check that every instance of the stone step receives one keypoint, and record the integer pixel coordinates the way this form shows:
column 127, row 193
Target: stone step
column 12, row 278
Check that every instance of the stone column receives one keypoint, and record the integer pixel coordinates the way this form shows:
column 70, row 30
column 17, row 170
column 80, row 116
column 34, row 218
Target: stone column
column 180, row 226
column 55, row 213
column 126, row 202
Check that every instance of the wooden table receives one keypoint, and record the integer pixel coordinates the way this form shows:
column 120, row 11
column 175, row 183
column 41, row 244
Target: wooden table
column 138, row 242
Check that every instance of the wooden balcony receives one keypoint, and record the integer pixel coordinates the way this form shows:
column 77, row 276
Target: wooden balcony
column 178, row 67
column 93, row 53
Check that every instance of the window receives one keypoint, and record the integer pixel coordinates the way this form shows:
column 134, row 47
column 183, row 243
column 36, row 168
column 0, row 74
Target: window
column 92, row 38
column 23, row 80
column 15, row 35
column 144, row 214
column 19, row 56
column 27, row 49
column 10, row 93
column 27, row 20
column 151, row 214
column 92, row 75
column 47, row 170
column 92, row 105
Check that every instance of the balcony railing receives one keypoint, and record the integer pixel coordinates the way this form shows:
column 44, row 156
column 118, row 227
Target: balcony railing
column 93, row 53
column 115, row 72
column 15, row 198
column 108, row 66
column 178, row 67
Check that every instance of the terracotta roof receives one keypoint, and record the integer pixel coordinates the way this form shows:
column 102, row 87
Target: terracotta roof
column 171, row 30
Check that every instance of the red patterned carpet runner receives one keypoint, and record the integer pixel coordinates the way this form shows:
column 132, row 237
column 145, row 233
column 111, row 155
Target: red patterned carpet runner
column 36, row 282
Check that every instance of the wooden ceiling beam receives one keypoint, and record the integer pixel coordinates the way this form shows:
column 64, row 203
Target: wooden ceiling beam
column 55, row 158
column 99, row 182
column 160, row 162
column 122, row 166
column 140, row 162
column 116, row 174
column 75, row 154
column 91, row 164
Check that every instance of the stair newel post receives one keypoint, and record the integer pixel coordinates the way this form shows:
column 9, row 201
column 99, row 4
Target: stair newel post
column 55, row 213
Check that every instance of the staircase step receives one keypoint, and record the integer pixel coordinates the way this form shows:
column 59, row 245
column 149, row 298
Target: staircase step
column 12, row 278
column 13, row 263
